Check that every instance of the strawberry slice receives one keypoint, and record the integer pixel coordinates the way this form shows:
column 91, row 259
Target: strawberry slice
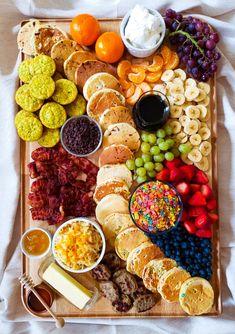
column 195, row 211
column 200, row 177
column 197, row 199
column 184, row 216
column 194, row 187
column 183, row 188
column 176, row 162
column 206, row 191
column 211, row 205
column 202, row 221
column 189, row 171
column 176, row 175
column 213, row 217
column 204, row 233
column 189, row 226
column 163, row 175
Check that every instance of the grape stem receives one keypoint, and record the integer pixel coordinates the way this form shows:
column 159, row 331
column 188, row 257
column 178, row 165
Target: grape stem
column 189, row 37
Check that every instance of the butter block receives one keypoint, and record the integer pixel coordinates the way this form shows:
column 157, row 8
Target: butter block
column 67, row 286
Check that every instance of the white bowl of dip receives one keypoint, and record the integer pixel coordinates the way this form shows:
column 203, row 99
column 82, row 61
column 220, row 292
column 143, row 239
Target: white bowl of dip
column 142, row 31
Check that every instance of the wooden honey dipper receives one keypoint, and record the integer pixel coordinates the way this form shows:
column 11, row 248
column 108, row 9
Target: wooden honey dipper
column 27, row 282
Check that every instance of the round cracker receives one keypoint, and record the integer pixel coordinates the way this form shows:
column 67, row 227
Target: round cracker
column 25, row 100
column 114, row 224
column 122, row 133
column 115, row 154
column 110, row 204
column 103, row 99
column 119, row 171
column 99, row 81
column 65, row 91
column 154, row 269
column 30, row 129
column 170, row 283
column 141, row 255
column 111, row 186
column 25, row 37
column 42, row 86
column 118, row 114
column 52, row 115
column 196, row 296
column 45, row 36
column 49, row 138
column 61, row 50
column 74, row 61
column 128, row 240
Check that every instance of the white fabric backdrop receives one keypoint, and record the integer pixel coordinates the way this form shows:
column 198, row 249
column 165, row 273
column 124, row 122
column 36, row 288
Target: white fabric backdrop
column 15, row 319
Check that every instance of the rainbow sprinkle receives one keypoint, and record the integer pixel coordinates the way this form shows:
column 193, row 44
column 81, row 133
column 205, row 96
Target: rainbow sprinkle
column 155, row 206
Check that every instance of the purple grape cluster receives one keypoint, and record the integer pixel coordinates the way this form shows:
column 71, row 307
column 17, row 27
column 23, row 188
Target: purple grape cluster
column 196, row 44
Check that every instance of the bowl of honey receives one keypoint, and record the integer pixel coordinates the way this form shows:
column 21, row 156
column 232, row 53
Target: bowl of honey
column 36, row 242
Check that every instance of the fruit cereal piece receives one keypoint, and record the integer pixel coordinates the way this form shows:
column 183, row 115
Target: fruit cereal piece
column 52, row 115
column 65, row 91
column 25, row 100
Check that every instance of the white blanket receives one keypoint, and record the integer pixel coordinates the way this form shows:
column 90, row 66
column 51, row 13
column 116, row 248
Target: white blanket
column 221, row 15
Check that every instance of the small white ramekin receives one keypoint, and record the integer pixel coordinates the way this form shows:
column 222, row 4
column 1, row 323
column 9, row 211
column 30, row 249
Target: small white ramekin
column 36, row 257
column 137, row 52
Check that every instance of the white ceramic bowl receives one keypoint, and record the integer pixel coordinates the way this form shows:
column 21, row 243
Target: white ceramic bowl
column 137, row 52
column 36, row 257
column 98, row 228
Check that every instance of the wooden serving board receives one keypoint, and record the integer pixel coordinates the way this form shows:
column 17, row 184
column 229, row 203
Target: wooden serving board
column 103, row 308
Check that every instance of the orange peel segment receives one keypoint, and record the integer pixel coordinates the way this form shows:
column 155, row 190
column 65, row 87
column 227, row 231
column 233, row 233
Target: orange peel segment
column 124, row 83
column 173, row 62
column 166, row 54
column 139, row 74
column 156, row 65
column 134, row 98
column 123, row 68
column 130, row 91
column 153, row 77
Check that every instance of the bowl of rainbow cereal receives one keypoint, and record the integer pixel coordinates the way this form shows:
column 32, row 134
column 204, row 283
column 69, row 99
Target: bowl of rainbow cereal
column 155, row 207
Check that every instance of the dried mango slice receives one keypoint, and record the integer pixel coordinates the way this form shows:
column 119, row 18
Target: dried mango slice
column 153, row 77
column 123, row 68
column 134, row 98
column 156, row 65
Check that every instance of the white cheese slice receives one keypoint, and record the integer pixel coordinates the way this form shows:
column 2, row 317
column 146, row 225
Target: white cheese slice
column 67, row 286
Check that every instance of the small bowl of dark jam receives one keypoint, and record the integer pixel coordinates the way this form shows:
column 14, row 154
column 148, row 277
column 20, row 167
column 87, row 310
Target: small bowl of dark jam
column 81, row 136
column 151, row 111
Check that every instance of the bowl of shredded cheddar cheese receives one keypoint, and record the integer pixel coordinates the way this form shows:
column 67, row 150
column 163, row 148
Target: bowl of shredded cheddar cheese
column 78, row 245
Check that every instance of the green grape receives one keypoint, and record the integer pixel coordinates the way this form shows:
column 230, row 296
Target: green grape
column 151, row 173
column 169, row 156
column 160, row 140
column 185, row 148
column 154, row 150
column 130, row 164
column 161, row 133
column 141, row 171
column 159, row 157
column 141, row 179
column 145, row 147
column 168, row 130
column 170, row 142
column 146, row 157
column 158, row 166
column 164, row 146
column 176, row 152
column 152, row 138
column 149, row 166
column 139, row 162
column 145, row 136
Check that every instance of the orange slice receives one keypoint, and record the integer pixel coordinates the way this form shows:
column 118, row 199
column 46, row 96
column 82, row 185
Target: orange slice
column 156, row 65
column 134, row 98
column 139, row 74
column 145, row 87
column 140, row 62
column 123, row 67
column 173, row 62
column 125, row 84
column 130, row 91
column 166, row 54
column 153, row 77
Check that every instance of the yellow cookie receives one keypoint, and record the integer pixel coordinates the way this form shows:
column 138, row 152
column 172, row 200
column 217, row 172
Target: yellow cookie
column 154, row 270
column 52, row 115
column 30, row 129
column 25, row 100
column 43, row 64
column 170, row 283
column 65, row 91
column 21, row 115
column 49, row 138
column 196, row 296
column 77, row 107
column 127, row 240
column 141, row 255
column 42, row 86
column 25, row 70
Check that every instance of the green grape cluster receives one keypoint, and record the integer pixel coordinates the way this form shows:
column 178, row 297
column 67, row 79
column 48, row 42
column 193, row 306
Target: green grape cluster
column 154, row 149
